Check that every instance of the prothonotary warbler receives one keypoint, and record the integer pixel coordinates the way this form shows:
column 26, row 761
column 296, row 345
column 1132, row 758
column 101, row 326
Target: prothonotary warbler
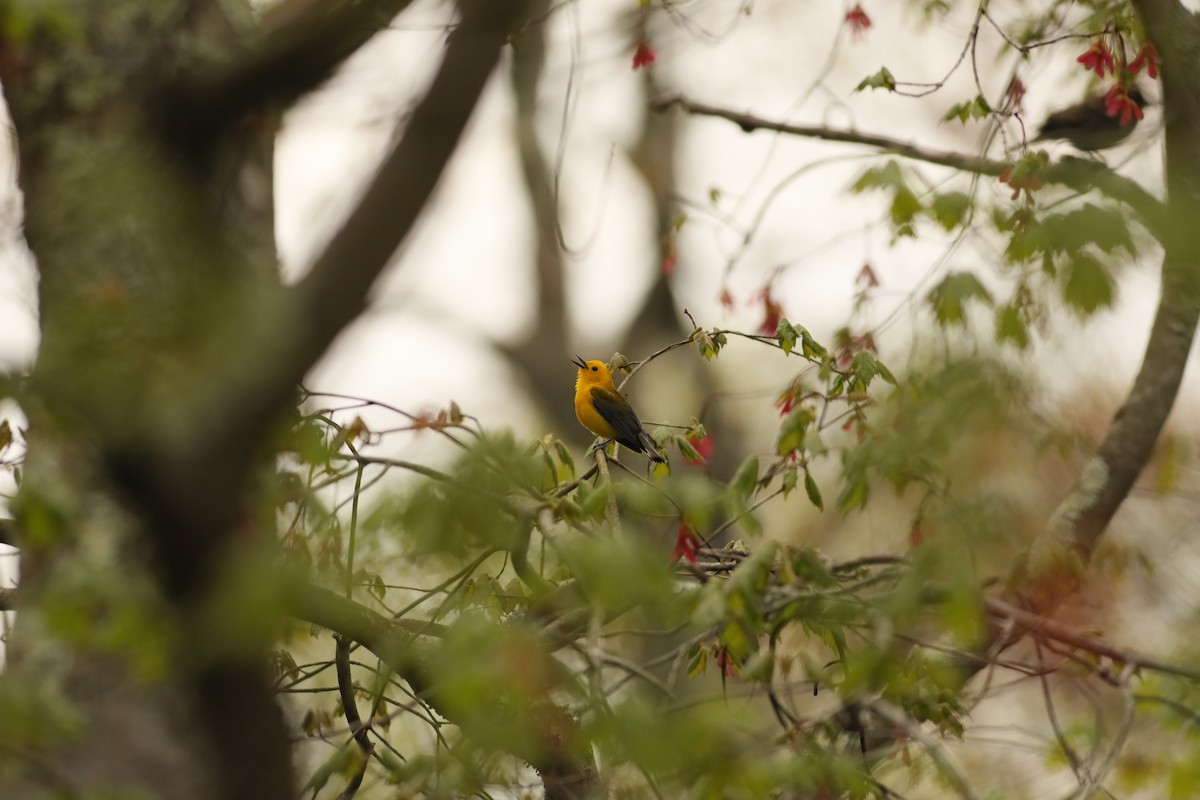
column 605, row 412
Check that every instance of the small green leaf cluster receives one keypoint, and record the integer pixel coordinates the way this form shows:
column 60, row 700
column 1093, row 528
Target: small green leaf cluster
column 1076, row 249
column 948, row 210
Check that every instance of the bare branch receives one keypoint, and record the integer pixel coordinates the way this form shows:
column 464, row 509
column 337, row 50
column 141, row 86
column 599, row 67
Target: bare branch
column 350, row 709
column 335, row 290
column 1074, row 173
column 301, row 45
column 565, row 771
column 1106, row 481
column 896, row 718
column 1038, row 625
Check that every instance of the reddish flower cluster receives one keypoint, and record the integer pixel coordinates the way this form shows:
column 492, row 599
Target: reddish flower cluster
column 847, row 345
column 703, row 446
column 786, row 403
column 866, row 279
column 687, row 544
column 1149, row 58
column 1118, row 103
column 1013, row 96
column 643, row 55
column 858, row 21
column 729, row 667
column 772, row 313
column 1098, row 59
column 1027, row 182
column 670, row 256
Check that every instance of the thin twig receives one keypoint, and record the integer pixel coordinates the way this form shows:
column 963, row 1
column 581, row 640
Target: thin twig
column 896, row 718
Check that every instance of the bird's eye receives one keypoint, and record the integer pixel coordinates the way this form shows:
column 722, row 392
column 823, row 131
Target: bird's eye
column 594, row 369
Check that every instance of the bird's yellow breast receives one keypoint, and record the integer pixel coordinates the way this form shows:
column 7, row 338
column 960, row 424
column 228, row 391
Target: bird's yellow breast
column 587, row 414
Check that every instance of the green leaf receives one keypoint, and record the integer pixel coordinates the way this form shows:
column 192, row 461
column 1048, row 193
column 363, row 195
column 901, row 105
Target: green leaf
column 342, row 761
column 866, row 367
column 565, row 457
column 814, row 494
column 950, row 209
column 690, row 453
column 791, row 432
column 973, row 109
column 752, row 574
column 746, row 479
column 592, row 505
column 880, row 80
column 814, row 443
column 888, row 176
column 1010, row 327
column 788, row 482
column 1088, row 287
column 710, row 344
column 905, row 208
column 855, row 493
column 739, row 510
column 958, row 111
column 949, row 298
column 980, row 107
column 786, row 335
column 1103, row 227
column 810, row 346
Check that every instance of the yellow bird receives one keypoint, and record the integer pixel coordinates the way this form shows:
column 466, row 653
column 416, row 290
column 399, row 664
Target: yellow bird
column 605, row 412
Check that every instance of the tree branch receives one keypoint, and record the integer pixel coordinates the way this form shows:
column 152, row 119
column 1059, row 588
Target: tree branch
column 565, row 772
column 309, row 315
column 350, row 710
column 1083, row 516
column 301, row 45
column 336, row 288
column 1074, row 173
column 1052, row 629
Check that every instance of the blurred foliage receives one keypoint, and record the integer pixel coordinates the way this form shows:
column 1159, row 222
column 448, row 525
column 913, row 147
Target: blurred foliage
column 543, row 615
column 703, row 635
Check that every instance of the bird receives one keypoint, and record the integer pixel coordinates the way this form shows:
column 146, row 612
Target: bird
column 1089, row 125
column 604, row 411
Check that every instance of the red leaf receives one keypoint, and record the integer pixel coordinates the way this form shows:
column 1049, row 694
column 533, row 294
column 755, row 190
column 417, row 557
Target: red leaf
column 867, row 279
column 1097, row 58
column 772, row 313
column 643, row 55
column 670, row 256
column 1149, row 58
column 687, row 544
column 858, row 21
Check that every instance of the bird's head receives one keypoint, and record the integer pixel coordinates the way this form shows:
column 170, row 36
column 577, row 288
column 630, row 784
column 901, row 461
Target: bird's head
column 591, row 373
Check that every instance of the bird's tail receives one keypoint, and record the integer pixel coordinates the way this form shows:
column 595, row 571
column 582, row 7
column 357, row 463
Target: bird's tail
column 650, row 449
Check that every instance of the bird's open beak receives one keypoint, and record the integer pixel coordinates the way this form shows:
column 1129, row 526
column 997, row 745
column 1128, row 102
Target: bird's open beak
column 579, row 362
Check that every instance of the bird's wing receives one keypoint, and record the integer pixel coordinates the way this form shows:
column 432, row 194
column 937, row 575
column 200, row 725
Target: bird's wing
column 617, row 412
